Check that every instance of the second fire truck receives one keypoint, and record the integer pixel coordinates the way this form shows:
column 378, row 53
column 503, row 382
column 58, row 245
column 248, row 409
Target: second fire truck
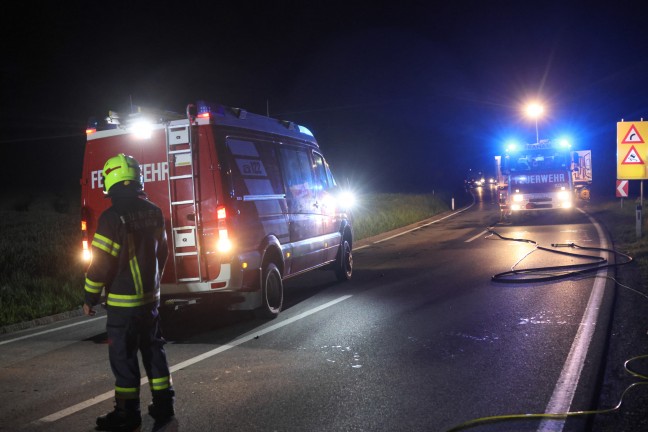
column 543, row 176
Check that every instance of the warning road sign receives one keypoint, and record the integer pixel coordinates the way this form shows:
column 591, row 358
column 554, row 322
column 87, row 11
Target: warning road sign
column 633, row 136
column 632, row 150
column 622, row 188
column 632, row 157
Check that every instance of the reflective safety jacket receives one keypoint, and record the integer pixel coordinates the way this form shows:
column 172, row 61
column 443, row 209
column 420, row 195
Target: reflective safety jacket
column 129, row 250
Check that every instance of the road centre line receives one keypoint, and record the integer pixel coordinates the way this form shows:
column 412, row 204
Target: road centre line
column 477, row 236
column 251, row 335
column 85, row 321
column 565, row 389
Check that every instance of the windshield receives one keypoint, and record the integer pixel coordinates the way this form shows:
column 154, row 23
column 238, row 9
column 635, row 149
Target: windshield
column 538, row 160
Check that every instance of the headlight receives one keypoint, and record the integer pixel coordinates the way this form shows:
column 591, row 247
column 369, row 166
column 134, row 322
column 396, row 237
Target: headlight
column 563, row 195
column 518, row 198
column 346, row 200
column 515, row 207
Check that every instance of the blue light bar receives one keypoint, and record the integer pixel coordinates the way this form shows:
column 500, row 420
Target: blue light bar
column 511, row 147
column 203, row 107
column 305, row 130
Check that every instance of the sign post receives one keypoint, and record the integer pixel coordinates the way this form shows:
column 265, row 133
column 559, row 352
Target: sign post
column 639, row 210
column 632, row 154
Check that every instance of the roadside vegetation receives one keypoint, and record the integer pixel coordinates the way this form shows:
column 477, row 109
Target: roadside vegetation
column 40, row 270
column 41, row 273
column 382, row 212
column 621, row 224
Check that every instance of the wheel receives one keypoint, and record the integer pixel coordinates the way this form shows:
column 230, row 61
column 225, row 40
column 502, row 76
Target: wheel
column 271, row 292
column 344, row 264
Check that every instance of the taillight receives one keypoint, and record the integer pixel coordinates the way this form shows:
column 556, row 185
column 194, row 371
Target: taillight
column 85, row 243
column 224, row 244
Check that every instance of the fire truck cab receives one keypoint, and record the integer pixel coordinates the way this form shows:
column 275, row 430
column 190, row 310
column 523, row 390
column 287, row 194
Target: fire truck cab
column 248, row 201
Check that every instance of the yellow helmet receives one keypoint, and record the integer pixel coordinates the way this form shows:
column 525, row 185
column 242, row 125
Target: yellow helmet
column 122, row 168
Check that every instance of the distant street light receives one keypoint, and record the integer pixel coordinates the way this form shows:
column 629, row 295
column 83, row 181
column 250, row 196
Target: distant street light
column 535, row 110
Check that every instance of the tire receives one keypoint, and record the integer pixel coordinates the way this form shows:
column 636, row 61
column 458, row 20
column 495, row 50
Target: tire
column 271, row 292
column 344, row 263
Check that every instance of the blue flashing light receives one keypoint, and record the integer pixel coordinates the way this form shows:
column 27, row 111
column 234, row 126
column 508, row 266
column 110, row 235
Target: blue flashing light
column 203, row 107
column 564, row 143
column 305, row 130
column 511, row 147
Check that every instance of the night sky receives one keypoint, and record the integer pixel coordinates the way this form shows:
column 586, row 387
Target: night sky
column 402, row 96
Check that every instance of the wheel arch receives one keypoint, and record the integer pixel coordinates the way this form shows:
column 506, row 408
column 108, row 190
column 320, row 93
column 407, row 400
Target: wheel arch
column 271, row 252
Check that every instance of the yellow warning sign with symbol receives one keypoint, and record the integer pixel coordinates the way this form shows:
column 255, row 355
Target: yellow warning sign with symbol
column 632, row 150
column 632, row 158
column 632, row 136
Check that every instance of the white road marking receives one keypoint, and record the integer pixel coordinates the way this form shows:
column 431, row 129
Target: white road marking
column 251, row 335
column 565, row 389
column 477, row 236
column 51, row 330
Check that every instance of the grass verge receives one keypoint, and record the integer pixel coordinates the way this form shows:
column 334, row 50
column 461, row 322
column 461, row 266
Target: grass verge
column 40, row 270
column 620, row 223
column 380, row 212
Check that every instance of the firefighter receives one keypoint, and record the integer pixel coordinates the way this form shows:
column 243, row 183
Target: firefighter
column 129, row 251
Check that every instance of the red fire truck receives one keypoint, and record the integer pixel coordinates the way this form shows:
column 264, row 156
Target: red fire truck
column 544, row 176
column 248, row 201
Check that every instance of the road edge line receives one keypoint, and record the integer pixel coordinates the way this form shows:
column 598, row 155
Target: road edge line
column 565, row 389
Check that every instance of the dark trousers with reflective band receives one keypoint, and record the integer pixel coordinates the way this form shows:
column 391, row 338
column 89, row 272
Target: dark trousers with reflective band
column 126, row 336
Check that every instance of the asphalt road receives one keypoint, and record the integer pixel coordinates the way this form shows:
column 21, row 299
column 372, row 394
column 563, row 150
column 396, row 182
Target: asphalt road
column 420, row 339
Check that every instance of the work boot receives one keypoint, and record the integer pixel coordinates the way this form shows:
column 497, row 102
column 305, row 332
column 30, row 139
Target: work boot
column 119, row 420
column 161, row 411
